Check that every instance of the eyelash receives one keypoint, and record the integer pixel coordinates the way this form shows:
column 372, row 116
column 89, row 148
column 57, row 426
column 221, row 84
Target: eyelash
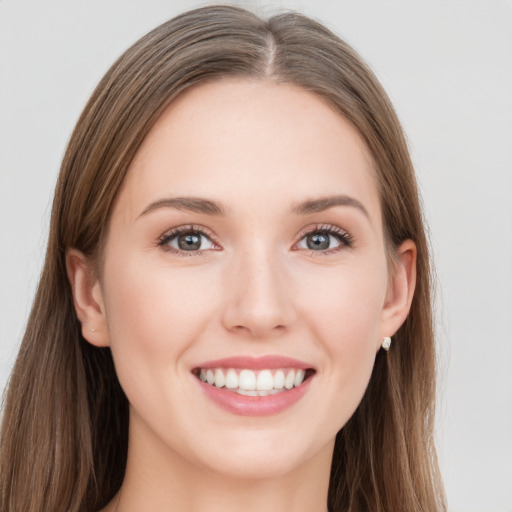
column 175, row 232
column 345, row 239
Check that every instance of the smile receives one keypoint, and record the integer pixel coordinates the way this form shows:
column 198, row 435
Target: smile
column 254, row 383
column 251, row 386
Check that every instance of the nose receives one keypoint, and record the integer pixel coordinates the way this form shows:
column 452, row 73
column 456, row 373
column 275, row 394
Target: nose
column 259, row 300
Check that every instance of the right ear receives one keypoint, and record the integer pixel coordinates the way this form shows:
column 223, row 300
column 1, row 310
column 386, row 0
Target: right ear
column 87, row 298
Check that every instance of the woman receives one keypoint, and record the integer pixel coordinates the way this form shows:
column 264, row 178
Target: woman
column 235, row 238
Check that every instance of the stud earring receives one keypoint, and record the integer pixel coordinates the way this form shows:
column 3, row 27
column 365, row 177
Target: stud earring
column 386, row 343
column 92, row 330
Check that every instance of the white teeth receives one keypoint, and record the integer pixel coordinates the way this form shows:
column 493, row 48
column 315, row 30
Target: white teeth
column 271, row 392
column 256, row 392
column 299, row 377
column 246, row 392
column 290, row 378
column 231, row 379
column 251, row 383
column 219, row 378
column 247, row 380
column 265, row 381
column 279, row 379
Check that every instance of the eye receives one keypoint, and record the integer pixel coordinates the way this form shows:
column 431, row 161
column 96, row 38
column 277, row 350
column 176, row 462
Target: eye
column 325, row 239
column 186, row 239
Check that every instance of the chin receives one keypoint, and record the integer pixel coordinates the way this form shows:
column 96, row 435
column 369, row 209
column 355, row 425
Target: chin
column 256, row 466
column 262, row 456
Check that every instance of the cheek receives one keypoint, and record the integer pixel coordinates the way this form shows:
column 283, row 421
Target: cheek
column 346, row 303
column 344, row 312
column 154, row 314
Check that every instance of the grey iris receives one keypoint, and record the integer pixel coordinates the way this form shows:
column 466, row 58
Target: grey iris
column 318, row 241
column 189, row 242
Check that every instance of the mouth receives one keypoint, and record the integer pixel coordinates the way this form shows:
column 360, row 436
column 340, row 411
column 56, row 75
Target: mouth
column 254, row 382
column 255, row 386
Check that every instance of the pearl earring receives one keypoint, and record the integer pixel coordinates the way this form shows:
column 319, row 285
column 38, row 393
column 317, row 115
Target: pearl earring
column 386, row 343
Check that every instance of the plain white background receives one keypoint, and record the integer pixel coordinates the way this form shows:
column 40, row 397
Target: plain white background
column 447, row 66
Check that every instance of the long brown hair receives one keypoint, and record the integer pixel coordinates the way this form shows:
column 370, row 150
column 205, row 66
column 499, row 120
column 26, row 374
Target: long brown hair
column 64, row 432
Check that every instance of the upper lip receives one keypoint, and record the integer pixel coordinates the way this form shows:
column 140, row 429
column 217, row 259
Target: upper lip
column 256, row 363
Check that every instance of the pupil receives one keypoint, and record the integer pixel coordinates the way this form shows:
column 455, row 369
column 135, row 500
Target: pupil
column 189, row 242
column 318, row 241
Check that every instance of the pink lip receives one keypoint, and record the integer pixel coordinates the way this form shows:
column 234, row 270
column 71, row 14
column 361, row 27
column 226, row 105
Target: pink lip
column 255, row 405
column 256, row 363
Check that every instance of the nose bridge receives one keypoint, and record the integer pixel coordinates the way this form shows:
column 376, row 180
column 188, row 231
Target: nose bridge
column 259, row 298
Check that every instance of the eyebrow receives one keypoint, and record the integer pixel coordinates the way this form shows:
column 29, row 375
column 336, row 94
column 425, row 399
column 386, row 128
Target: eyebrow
column 324, row 203
column 191, row 204
column 210, row 207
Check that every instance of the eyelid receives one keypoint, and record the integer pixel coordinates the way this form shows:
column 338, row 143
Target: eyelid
column 344, row 237
column 321, row 227
column 186, row 228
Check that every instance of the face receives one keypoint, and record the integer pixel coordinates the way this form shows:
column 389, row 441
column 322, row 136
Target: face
column 245, row 246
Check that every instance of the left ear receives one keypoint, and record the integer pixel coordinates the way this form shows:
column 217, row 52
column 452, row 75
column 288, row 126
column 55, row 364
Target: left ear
column 400, row 290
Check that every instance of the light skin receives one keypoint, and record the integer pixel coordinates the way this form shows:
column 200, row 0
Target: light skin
column 255, row 284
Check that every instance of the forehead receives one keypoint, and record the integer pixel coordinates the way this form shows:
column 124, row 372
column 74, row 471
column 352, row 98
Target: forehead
column 244, row 142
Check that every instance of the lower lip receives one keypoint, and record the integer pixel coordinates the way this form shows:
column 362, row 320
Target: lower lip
column 255, row 405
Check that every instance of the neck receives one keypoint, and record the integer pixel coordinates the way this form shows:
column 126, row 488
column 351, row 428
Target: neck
column 157, row 479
